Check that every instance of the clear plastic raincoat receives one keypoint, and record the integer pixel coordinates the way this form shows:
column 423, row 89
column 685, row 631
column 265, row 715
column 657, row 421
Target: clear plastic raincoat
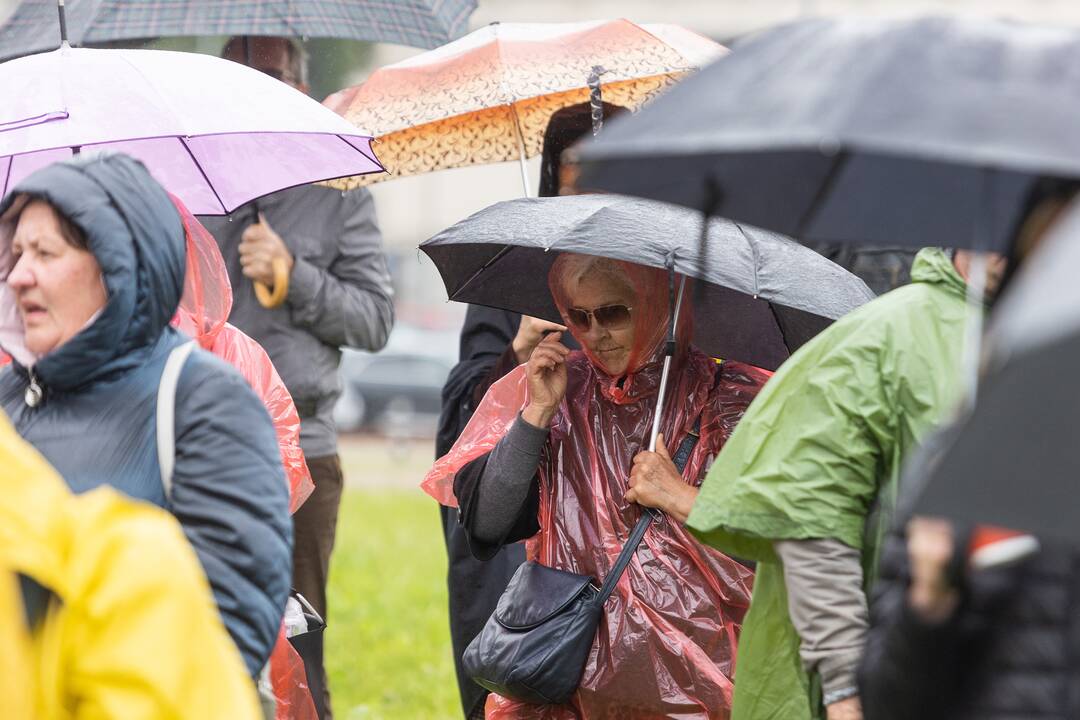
column 666, row 644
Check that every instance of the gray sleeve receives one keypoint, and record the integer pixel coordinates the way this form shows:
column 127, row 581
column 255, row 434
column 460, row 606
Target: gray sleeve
column 828, row 608
column 506, row 479
column 349, row 304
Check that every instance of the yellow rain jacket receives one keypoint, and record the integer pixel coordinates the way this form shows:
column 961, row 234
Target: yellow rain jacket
column 130, row 629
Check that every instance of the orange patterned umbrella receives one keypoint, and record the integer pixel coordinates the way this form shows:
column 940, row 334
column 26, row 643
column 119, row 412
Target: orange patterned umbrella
column 488, row 96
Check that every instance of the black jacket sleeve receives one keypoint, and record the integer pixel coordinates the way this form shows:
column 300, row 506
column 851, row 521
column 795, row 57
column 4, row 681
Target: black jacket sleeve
column 485, row 336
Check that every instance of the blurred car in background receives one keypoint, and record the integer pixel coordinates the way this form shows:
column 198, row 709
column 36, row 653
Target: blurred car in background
column 397, row 391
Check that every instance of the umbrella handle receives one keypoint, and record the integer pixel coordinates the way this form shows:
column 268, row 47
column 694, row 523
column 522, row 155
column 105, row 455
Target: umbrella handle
column 271, row 299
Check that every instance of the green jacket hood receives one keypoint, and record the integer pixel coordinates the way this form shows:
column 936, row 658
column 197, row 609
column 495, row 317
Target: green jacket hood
column 935, row 266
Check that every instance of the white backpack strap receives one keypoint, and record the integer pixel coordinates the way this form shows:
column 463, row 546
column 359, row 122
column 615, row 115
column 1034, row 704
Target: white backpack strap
column 166, row 413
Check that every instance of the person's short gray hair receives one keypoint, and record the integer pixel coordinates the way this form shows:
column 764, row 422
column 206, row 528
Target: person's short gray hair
column 570, row 268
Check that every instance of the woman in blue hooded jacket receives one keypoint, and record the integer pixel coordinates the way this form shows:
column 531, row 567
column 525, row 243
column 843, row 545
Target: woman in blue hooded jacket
column 92, row 267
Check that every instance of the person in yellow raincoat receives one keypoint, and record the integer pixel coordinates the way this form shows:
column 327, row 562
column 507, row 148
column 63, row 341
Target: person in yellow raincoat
column 111, row 615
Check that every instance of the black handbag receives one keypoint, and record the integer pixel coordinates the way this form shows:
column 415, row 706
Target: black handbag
column 534, row 646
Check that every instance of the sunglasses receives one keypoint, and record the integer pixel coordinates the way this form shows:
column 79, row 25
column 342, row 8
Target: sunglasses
column 609, row 317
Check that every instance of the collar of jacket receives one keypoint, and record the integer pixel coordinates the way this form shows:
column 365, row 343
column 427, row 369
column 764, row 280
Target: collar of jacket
column 135, row 234
column 934, row 266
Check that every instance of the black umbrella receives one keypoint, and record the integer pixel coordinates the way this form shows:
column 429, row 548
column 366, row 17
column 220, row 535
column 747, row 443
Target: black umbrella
column 882, row 132
column 1013, row 461
column 763, row 296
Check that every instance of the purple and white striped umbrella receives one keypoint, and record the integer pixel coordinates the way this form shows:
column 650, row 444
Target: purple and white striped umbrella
column 214, row 132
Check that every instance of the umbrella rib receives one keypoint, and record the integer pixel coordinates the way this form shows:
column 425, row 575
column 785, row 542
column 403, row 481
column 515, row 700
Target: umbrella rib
column 689, row 66
column 198, row 166
column 498, row 256
column 823, row 190
column 7, row 175
column 757, row 256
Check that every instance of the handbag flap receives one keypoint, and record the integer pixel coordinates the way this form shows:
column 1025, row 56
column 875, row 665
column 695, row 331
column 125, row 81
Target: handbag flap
column 536, row 593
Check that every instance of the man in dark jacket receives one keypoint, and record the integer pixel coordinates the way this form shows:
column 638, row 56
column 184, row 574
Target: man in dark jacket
column 338, row 295
column 93, row 413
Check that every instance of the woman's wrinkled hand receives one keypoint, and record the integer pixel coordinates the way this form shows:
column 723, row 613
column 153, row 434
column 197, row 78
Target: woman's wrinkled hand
column 546, row 376
column 655, row 482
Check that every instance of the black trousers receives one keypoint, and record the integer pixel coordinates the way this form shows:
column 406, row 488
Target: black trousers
column 474, row 587
column 314, row 528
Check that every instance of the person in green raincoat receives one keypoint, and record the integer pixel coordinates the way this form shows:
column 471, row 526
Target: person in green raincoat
column 807, row 484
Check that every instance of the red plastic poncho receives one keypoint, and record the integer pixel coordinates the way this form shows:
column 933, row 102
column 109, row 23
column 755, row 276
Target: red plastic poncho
column 204, row 309
column 666, row 644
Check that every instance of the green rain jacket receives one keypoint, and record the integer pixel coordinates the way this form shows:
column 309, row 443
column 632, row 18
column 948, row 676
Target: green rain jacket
column 818, row 455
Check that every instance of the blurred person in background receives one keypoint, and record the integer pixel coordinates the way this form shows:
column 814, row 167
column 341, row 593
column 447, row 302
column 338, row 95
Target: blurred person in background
column 92, row 257
column 494, row 342
column 338, row 295
column 104, row 609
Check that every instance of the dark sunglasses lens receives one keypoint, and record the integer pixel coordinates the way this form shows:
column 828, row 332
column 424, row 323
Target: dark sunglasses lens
column 578, row 318
column 612, row 317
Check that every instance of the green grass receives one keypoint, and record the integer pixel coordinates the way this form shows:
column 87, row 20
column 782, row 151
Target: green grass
column 387, row 641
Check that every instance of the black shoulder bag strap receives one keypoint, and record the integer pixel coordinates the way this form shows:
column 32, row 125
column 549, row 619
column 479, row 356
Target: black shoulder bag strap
column 681, row 457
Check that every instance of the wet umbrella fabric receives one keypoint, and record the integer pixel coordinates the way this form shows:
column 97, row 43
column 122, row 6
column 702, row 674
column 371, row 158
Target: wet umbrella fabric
column 420, row 23
column 764, row 295
column 872, row 132
column 1012, row 461
column 215, row 133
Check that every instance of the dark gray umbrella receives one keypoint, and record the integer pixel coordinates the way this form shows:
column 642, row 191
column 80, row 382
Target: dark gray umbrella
column 419, row 23
column 1013, row 460
column 885, row 132
column 764, row 295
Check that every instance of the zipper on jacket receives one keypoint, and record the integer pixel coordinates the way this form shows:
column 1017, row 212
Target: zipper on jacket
column 33, row 394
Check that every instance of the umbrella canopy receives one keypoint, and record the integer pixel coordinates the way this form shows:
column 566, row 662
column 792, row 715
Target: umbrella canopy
column 885, row 132
column 420, row 23
column 1012, row 461
column 763, row 296
column 488, row 96
column 213, row 132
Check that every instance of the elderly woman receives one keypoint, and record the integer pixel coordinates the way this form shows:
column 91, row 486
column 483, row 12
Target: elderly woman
column 92, row 264
column 557, row 453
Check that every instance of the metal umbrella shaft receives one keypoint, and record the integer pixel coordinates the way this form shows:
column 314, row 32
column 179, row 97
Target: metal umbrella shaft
column 669, row 351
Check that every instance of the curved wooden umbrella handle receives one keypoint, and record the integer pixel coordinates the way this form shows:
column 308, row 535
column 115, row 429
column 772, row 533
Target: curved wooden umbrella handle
column 271, row 299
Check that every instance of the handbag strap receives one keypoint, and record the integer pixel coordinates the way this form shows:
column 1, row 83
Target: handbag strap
column 681, row 457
